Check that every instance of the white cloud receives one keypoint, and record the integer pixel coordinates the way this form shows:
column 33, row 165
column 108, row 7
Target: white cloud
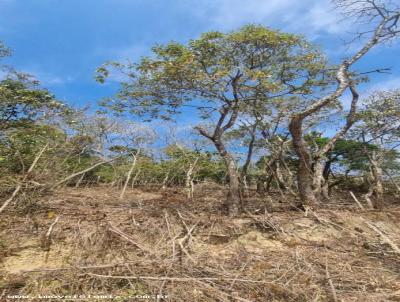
column 46, row 78
column 232, row 13
column 307, row 16
column 322, row 17
column 391, row 83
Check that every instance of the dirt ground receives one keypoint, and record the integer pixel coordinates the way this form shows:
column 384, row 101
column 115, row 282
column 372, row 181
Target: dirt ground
column 85, row 244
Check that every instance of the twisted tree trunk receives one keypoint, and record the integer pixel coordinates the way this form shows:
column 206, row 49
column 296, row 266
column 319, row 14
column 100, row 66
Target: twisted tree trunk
column 304, row 170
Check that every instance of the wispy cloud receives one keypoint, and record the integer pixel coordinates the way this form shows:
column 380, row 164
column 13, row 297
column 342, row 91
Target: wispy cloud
column 228, row 14
column 307, row 16
column 45, row 78
column 321, row 17
column 389, row 84
column 49, row 79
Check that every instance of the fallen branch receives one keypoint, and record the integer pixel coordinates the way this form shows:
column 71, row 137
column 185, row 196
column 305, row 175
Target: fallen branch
column 182, row 241
column 45, row 270
column 177, row 279
column 357, row 201
column 83, row 171
column 50, row 230
column 383, row 236
column 330, row 282
column 128, row 238
column 46, row 239
column 221, row 292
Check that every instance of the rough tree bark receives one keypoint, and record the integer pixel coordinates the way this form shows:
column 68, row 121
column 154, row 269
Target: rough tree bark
column 304, row 171
column 233, row 201
column 310, row 177
column 376, row 178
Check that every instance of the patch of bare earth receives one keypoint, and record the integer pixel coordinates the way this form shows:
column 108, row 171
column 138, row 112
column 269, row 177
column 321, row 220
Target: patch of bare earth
column 157, row 243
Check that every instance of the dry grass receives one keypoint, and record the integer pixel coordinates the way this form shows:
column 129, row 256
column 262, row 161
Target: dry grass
column 159, row 244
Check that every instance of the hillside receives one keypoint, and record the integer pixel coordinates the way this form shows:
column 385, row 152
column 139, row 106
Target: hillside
column 87, row 242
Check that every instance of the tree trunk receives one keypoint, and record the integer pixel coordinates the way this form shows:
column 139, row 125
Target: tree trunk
column 304, row 171
column 279, row 176
column 268, row 183
column 318, row 177
column 135, row 178
column 189, row 186
column 164, row 183
column 376, row 173
column 233, row 203
column 284, row 183
column 261, row 185
column 128, row 176
column 245, row 168
column 246, row 191
column 269, row 174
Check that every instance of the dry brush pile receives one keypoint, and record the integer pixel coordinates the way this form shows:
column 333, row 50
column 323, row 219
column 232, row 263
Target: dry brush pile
column 159, row 247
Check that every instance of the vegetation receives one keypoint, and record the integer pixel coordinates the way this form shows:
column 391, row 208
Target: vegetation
column 255, row 91
column 257, row 97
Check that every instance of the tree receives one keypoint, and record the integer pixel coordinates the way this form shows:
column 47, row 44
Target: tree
column 348, row 155
column 25, row 112
column 245, row 134
column 384, row 19
column 380, row 125
column 108, row 137
column 221, row 75
column 23, row 102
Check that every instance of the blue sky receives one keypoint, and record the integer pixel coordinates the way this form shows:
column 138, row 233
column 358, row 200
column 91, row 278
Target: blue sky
column 62, row 42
